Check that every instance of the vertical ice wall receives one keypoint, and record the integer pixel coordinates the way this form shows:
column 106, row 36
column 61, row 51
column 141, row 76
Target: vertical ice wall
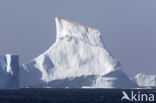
column 9, row 71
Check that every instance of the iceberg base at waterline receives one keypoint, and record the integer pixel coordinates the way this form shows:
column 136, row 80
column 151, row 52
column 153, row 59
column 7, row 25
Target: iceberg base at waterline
column 116, row 79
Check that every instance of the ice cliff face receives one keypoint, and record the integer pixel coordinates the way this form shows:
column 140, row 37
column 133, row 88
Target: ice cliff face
column 78, row 52
column 9, row 71
column 144, row 80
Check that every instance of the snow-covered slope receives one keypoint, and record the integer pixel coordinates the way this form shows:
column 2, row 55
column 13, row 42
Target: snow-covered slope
column 78, row 52
column 144, row 80
column 9, row 70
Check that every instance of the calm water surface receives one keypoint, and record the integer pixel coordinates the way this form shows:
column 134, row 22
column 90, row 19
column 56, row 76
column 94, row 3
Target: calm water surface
column 56, row 95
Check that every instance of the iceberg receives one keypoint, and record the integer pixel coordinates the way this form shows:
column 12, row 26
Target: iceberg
column 9, row 71
column 144, row 80
column 78, row 58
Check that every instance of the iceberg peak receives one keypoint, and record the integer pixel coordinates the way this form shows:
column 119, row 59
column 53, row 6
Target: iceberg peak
column 72, row 29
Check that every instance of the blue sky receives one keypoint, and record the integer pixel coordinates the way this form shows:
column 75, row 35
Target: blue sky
column 128, row 28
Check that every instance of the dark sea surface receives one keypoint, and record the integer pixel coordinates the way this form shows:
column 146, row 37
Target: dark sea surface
column 57, row 95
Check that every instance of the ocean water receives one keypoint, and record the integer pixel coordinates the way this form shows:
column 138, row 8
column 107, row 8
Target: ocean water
column 57, row 95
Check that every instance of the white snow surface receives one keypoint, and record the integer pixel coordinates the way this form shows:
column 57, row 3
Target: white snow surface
column 145, row 80
column 78, row 51
column 72, row 29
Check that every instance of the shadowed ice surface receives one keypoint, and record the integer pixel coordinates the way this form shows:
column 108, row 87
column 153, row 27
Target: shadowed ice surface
column 9, row 71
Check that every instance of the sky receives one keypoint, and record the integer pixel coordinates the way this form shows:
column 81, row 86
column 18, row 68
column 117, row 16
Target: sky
column 128, row 28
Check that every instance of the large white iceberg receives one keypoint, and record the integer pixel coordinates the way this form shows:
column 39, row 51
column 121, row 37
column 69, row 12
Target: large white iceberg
column 9, row 71
column 77, row 56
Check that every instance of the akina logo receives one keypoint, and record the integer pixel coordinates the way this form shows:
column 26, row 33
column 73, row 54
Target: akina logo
column 137, row 96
